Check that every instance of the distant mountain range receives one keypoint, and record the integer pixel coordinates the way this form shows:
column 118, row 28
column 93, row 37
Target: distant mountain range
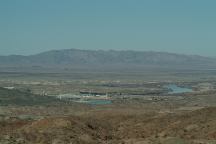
column 111, row 59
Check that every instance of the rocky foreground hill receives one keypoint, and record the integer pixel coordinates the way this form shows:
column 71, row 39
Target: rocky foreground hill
column 114, row 127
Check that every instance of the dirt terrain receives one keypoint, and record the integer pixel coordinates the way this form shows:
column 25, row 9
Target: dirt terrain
column 108, row 126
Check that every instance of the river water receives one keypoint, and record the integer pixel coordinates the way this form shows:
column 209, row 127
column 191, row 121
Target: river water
column 96, row 102
column 174, row 89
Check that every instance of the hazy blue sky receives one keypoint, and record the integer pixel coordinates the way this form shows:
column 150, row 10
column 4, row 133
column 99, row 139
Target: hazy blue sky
column 181, row 26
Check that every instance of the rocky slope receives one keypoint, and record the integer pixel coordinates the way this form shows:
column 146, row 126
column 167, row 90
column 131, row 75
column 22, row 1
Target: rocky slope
column 113, row 127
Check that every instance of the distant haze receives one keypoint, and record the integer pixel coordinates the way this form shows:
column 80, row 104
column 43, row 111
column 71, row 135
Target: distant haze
column 34, row 26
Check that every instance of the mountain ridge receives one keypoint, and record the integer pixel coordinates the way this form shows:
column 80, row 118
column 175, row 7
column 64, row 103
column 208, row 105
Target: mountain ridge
column 108, row 59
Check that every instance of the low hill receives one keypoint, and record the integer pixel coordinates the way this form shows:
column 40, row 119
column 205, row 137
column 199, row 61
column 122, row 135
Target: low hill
column 23, row 98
